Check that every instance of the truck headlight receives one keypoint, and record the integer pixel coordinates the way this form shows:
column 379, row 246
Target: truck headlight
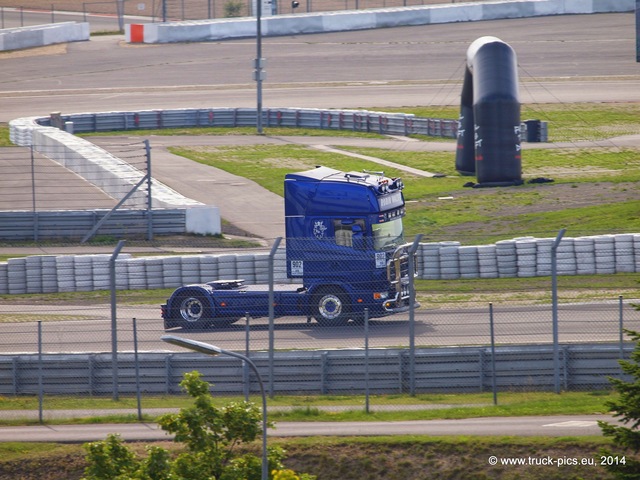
column 380, row 295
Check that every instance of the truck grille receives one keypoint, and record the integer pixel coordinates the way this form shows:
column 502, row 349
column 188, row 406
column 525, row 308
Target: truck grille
column 398, row 271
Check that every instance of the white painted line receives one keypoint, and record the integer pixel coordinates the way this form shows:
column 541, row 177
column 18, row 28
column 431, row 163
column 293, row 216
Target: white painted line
column 573, row 423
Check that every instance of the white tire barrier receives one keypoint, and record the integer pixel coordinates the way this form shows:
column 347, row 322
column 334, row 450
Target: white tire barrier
column 208, row 268
column 520, row 257
column 507, row 258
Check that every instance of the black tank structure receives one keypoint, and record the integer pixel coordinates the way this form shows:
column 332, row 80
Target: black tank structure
column 488, row 143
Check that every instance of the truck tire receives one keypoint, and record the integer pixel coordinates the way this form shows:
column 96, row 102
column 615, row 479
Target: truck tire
column 194, row 311
column 330, row 307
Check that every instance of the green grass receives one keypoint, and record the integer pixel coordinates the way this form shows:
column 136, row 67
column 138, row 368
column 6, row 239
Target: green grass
column 325, row 408
column 578, row 121
column 4, row 135
column 219, row 131
column 489, row 209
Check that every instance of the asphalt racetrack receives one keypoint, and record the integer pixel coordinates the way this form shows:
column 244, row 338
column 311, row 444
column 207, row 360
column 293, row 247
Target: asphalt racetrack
column 564, row 59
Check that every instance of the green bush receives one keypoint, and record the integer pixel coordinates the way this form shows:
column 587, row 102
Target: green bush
column 233, row 8
column 211, row 436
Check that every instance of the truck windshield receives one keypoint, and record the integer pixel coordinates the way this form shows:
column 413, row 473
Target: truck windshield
column 388, row 235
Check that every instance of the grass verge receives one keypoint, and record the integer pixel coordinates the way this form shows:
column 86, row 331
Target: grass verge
column 326, row 408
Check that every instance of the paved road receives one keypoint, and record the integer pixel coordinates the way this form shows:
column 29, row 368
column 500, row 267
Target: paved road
column 551, row 426
column 562, row 59
column 434, row 327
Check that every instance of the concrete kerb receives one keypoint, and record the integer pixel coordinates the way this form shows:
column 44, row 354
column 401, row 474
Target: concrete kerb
column 348, row 20
column 41, row 35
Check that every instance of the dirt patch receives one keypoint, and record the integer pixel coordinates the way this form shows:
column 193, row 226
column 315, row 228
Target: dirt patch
column 59, row 49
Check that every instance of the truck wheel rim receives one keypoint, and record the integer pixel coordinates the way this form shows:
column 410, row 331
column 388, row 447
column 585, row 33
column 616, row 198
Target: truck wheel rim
column 330, row 307
column 191, row 309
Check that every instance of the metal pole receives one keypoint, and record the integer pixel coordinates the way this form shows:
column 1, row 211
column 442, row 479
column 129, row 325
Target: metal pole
column 637, row 30
column 258, row 66
column 114, row 317
column 621, row 327
column 147, row 148
column 493, row 356
column 40, row 389
column 272, row 254
column 137, row 365
column 120, row 11
column 36, row 227
column 412, row 315
column 213, row 350
column 245, row 370
column 554, row 308
column 366, row 360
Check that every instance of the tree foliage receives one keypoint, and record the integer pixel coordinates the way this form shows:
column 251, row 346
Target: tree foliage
column 626, row 409
column 210, row 435
column 233, row 8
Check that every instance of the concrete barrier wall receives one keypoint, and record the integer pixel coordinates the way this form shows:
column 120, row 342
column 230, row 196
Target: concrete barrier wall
column 519, row 257
column 209, row 30
column 109, row 173
column 41, row 35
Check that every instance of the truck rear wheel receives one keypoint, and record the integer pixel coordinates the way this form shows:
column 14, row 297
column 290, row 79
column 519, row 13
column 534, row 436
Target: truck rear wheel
column 331, row 307
column 194, row 311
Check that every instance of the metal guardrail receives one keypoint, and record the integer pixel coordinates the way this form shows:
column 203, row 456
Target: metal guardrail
column 453, row 369
column 21, row 225
column 354, row 120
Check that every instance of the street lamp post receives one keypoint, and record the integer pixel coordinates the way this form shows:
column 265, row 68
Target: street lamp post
column 259, row 64
column 213, row 350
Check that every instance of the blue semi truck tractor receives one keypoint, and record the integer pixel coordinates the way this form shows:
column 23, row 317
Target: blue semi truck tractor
column 344, row 243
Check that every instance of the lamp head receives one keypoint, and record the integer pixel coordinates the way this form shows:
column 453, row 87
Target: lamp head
column 192, row 344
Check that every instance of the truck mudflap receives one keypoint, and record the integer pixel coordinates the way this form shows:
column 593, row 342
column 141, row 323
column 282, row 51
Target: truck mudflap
column 398, row 277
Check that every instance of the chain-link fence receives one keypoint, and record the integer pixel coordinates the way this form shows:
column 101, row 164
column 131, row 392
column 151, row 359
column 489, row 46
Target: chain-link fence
column 31, row 12
column 523, row 336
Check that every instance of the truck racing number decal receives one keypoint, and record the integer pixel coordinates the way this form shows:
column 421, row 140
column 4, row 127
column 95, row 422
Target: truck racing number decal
column 297, row 268
column 381, row 260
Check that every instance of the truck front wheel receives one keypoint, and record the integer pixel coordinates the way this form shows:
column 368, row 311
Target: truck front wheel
column 331, row 307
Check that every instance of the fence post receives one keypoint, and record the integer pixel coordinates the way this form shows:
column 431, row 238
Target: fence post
column 621, row 320
column 245, row 367
column 554, row 308
column 40, row 388
column 272, row 254
column 114, row 323
column 36, row 226
column 412, row 315
column 147, row 148
column 137, row 368
column 366, row 360
column 493, row 356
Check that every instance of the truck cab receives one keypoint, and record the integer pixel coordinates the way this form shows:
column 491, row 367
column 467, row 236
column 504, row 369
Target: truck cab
column 344, row 230
column 344, row 244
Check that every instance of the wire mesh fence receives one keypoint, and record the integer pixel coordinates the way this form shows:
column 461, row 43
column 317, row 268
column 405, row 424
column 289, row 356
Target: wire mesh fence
column 32, row 12
column 89, row 345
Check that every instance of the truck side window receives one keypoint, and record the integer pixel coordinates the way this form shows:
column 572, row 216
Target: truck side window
column 344, row 231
